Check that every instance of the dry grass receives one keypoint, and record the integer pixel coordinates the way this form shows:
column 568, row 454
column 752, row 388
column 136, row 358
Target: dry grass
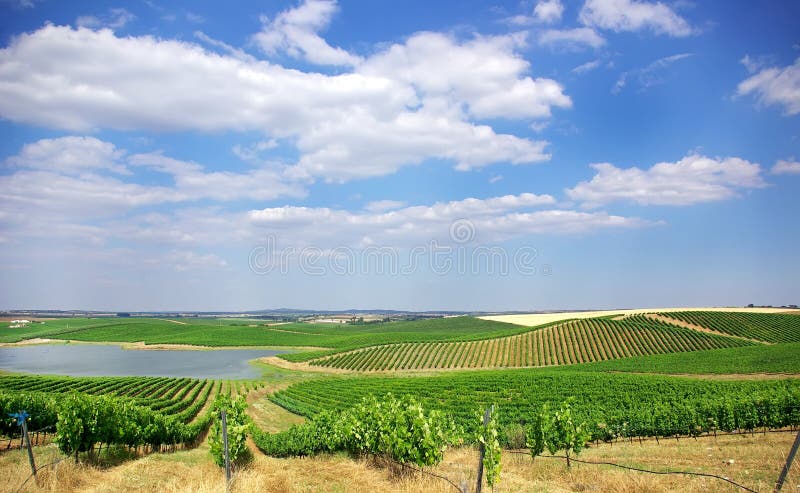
column 754, row 461
column 534, row 319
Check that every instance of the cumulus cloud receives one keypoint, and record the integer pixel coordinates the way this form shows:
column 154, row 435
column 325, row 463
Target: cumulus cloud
column 296, row 32
column 56, row 177
column 486, row 73
column 400, row 107
column 634, row 15
column 774, row 86
column 694, row 179
column 548, row 11
column 571, row 39
column 786, row 167
column 72, row 154
column 490, row 220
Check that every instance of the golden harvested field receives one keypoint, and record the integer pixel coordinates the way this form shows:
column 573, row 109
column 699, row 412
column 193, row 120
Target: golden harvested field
column 533, row 319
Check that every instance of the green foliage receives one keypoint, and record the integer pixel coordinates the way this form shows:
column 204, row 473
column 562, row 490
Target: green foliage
column 558, row 343
column 565, row 433
column 768, row 327
column 127, row 411
column 395, row 427
column 557, row 431
column 776, row 358
column 85, row 421
column 538, row 431
column 624, row 404
column 217, row 333
column 238, row 424
column 491, row 450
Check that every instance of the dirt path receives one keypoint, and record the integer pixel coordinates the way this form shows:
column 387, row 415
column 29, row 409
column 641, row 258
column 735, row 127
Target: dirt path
column 289, row 365
column 295, row 332
column 173, row 321
column 687, row 325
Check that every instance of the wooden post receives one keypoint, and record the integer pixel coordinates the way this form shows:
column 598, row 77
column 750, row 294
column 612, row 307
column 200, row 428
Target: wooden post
column 482, row 449
column 788, row 465
column 28, row 443
column 225, row 450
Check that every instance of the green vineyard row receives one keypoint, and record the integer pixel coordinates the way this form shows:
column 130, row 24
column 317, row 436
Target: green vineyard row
column 182, row 398
column 576, row 341
column 611, row 404
column 767, row 327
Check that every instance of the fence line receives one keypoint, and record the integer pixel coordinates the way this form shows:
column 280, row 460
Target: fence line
column 648, row 471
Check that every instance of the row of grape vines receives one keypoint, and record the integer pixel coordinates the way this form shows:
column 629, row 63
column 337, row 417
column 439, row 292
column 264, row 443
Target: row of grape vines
column 179, row 397
column 576, row 341
column 767, row 327
column 613, row 405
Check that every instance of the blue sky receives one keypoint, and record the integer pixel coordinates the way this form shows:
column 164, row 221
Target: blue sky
column 471, row 155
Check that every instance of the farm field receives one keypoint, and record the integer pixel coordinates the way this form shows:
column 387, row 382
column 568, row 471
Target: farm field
column 578, row 341
column 236, row 333
column 645, row 405
column 623, row 374
column 533, row 319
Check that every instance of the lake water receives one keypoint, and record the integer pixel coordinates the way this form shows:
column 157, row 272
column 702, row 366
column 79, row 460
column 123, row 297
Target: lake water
column 83, row 360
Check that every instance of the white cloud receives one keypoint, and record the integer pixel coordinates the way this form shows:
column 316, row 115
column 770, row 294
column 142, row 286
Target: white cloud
column 495, row 178
column 67, row 176
column 363, row 146
column 548, row 11
column 491, row 220
column 634, row 15
column 587, row 67
column 252, row 153
column 401, row 107
column 114, row 19
column 186, row 260
column 486, row 73
column 693, row 179
column 224, row 47
column 571, row 39
column 191, row 180
column 755, row 63
column 70, row 155
column 384, row 205
column 648, row 76
column 295, row 32
column 786, row 167
column 775, row 86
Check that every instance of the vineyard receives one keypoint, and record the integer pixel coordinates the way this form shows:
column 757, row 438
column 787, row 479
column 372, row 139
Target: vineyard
column 767, row 327
column 614, row 405
column 576, row 341
column 222, row 333
column 608, row 376
column 181, row 399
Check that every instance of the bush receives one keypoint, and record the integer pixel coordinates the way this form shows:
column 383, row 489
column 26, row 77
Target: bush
column 397, row 428
column 238, row 424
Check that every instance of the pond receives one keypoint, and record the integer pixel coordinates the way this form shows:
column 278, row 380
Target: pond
column 82, row 360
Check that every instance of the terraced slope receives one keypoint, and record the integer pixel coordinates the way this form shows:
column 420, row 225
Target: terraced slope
column 576, row 341
column 767, row 327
